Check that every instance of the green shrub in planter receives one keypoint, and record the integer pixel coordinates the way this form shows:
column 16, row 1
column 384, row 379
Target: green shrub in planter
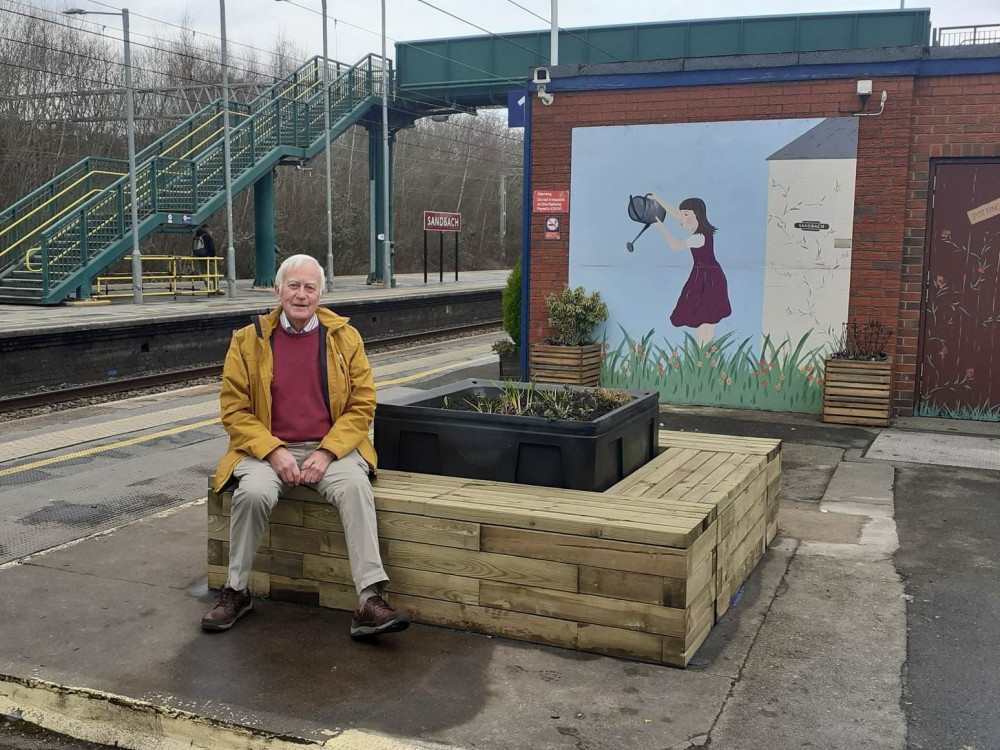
column 512, row 305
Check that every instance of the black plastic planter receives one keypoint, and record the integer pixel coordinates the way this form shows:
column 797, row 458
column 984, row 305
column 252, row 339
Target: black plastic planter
column 415, row 433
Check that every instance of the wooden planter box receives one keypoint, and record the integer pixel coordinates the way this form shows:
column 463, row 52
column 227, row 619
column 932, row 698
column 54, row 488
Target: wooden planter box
column 857, row 392
column 571, row 365
column 641, row 571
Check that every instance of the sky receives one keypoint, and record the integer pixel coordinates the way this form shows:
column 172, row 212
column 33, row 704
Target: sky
column 260, row 22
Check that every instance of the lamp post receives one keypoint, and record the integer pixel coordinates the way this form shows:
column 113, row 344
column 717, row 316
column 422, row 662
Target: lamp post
column 329, row 176
column 387, row 280
column 130, row 131
column 230, row 249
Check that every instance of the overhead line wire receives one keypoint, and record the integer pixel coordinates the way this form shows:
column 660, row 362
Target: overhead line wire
column 567, row 31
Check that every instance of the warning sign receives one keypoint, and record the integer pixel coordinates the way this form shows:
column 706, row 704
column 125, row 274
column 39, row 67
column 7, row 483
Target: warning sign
column 551, row 201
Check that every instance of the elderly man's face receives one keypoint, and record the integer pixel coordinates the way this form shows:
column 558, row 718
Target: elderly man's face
column 299, row 294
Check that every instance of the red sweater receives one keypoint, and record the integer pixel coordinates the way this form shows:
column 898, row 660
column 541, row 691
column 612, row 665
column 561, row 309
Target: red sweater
column 298, row 411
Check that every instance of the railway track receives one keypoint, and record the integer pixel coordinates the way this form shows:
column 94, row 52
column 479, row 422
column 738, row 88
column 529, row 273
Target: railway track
column 121, row 385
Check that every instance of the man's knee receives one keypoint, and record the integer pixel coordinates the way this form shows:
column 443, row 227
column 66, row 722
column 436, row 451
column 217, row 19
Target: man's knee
column 255, row 496
column 352, row 493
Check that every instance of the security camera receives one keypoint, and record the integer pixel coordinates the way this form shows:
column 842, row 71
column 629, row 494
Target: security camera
column 541, row 76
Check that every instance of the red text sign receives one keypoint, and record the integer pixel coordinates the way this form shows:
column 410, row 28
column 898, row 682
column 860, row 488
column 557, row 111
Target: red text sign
column 440, row 221
column 551, row 201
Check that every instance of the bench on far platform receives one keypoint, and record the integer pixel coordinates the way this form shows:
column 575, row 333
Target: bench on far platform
column 642, row 570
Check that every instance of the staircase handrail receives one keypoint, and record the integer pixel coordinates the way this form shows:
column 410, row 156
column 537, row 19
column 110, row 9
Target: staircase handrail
column 148, row 171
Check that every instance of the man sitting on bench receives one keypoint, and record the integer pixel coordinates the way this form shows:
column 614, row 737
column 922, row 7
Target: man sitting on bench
column 295, row 417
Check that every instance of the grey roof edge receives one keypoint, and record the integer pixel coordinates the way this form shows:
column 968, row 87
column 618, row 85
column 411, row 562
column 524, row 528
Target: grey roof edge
column 779, row 60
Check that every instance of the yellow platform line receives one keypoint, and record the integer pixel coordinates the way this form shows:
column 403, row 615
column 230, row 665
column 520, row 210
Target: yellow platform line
column 109, row 447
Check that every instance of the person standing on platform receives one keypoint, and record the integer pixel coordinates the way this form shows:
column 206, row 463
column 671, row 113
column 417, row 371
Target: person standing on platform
column 298, row 398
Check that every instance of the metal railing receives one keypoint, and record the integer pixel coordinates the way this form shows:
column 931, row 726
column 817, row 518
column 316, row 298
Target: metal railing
column 954, row 36
column 164, row 276
column 183, row 171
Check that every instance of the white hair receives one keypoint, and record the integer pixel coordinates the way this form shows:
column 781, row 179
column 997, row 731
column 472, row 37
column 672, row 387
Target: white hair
column 296, row 261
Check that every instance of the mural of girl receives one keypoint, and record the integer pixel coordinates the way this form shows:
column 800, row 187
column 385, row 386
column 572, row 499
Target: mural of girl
column 704, row 300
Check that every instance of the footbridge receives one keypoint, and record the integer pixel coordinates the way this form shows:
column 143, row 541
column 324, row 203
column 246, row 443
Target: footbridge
column 55, row 241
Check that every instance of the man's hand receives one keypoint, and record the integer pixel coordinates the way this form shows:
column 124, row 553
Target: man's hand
column 284, row 465
column 315, row 465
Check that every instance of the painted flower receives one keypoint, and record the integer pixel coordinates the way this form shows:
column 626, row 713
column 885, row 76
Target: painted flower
column 943, row 352
column 715, row 363
column 757, row 373
column 774, row 365
column 714, row 349
column 762, row 362
column 945, row 234
column 811, row 378
column 677, row 365
column 781, row 376
column 607, row 345
column 810, row 368
column 764, row 383
column 661, row 370
column 603, row 355
column 699, row 363
column 777, row 387
column 980, row 269
column 677, row 352
column 939, row 281
column 729, row 381
column 970, row 373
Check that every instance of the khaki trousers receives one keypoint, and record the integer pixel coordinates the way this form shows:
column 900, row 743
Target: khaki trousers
column 345, row 485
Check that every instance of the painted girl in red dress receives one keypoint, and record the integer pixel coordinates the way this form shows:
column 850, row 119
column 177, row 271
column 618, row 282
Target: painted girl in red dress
column 704, row 300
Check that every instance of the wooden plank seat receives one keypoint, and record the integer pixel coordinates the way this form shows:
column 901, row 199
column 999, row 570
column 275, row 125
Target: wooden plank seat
column 642, row 570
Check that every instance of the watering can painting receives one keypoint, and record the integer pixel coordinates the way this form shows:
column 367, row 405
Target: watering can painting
column 646, row 211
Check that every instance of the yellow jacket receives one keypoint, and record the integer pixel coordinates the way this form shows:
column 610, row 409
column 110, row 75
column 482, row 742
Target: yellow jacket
column 246, row 392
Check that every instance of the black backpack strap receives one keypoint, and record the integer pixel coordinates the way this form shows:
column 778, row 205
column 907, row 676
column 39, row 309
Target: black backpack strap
column 256, row 327
column 324, row 373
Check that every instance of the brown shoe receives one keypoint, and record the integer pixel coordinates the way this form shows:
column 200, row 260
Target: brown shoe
column 232, row 605
column 376, row 617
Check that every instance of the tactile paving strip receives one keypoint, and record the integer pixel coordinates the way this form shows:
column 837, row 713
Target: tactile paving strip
column 932, row 448
column 45, row 507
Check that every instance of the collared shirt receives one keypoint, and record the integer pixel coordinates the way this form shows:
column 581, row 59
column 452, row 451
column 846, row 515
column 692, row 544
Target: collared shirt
column 287, row 325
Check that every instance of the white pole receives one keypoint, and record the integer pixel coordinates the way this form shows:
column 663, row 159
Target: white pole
column 554, row 39
column 132, row 181
column 503, row 212
column 329, row 176
column 387, row 246
column 230, row 250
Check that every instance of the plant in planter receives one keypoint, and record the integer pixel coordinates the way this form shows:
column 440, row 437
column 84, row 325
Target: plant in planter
column 857, row 386
column 509, row 350
column 529, row 433
column 569, row 356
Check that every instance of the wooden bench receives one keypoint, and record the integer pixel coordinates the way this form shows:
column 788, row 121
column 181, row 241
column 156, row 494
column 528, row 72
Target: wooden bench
column 641, row 571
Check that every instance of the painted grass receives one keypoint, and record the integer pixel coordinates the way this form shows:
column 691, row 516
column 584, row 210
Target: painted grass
column 982, row 413
column 725, row 372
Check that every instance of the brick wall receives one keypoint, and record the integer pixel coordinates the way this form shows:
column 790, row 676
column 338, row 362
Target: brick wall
column 923, row 118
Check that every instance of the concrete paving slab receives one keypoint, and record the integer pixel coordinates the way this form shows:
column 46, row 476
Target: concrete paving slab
column 857, row 482
column 806, row 470
column 933, row 448
column 824, row 672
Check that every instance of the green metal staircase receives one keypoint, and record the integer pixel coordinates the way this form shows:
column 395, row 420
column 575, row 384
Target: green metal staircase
column 65, row 233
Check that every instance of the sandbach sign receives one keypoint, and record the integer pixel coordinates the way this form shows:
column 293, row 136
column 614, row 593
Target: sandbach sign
column 441, row 221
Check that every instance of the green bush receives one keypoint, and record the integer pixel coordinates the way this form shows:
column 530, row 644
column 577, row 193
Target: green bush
column 512, row 304
column 574, row 315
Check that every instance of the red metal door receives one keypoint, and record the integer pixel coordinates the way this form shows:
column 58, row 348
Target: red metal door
column 960, row 352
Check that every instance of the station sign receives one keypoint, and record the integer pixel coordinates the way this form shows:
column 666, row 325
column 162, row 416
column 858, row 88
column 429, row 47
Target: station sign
column 551, row 202
column 441, row 221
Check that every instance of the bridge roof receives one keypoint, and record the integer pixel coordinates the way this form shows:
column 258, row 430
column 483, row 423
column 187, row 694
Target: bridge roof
column 480, row 70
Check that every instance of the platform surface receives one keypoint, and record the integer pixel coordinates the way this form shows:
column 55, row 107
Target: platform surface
column 18, row 319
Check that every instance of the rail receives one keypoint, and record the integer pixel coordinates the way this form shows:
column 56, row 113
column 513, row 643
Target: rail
column 164, row 276
column 954, row 36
